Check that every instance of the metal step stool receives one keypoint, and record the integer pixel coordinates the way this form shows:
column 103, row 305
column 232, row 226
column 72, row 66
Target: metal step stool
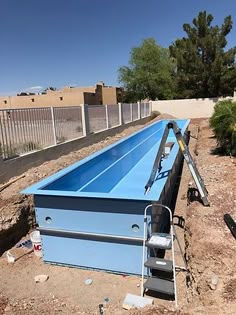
column 166, row 282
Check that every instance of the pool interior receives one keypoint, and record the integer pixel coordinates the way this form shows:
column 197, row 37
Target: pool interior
column 121, row 167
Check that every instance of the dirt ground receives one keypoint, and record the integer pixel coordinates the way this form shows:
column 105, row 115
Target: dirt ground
column 209, row 245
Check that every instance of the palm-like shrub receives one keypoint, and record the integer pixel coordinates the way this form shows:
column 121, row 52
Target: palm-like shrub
column 223, row 123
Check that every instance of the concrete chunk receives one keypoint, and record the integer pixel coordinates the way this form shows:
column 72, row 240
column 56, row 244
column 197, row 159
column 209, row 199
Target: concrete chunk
column 132, row 301
column 41, row 278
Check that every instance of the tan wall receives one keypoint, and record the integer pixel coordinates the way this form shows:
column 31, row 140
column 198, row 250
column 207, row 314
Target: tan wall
column 99, row 91
column 66, row 89
column 109, row 95
column 187, row 108
column 51, row 99
column 91, row 98
column 92, row 95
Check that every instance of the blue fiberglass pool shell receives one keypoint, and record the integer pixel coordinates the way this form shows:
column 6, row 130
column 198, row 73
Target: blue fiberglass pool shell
column 90, row 214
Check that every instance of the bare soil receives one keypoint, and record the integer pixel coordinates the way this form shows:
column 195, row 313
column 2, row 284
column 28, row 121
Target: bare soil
column 209, row 245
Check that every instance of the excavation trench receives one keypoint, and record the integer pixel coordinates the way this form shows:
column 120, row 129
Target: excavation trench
column 17, row 218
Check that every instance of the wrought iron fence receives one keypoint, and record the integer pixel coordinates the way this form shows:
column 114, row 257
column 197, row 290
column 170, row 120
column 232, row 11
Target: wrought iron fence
column 24, row 130
column 68, row 123
column 113, row 115
column 126, row 113
column 145, row 109
column 28, row 129
column 97, row 118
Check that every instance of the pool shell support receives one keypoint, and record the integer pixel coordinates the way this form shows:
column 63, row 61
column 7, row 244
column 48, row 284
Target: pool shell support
column 90, row 214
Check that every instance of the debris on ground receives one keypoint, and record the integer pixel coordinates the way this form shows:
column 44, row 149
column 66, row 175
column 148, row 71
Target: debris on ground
column 88, row 281
column 41, row 278
column 136, row 301
column 10, row 258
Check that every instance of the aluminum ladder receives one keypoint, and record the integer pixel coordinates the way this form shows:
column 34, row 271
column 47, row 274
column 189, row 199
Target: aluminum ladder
column 187, row 156
column 165, row 284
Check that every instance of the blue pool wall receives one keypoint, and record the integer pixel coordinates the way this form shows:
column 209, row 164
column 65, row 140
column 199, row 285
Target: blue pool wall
column 78, row 221
column 101, row 219
column 82, row 178
column 94, row 176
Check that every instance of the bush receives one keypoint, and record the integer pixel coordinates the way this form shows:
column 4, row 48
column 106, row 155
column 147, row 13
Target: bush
column 154, row 114
column 223, row 123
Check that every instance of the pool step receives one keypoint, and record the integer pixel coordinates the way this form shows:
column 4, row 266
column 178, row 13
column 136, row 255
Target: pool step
column 159, row 264
column 159, row 285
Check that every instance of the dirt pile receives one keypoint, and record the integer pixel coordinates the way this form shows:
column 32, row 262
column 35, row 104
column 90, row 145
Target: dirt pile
column 16, row 218
column 210, row 245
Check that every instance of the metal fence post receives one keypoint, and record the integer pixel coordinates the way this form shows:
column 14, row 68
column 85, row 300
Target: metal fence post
column 1, row 166
column 139, row 110
column 1, row 155
column 85, row 119
column 120, row 114
column 107, row 116
column 53, row 126
column 150, row 108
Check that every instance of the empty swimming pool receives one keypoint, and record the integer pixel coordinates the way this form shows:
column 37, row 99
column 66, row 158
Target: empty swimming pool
column 90, row 214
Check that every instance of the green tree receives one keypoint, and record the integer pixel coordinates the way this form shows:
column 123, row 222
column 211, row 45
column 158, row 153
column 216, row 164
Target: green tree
column 223, row 123
column 149, row 74
column 204, row 67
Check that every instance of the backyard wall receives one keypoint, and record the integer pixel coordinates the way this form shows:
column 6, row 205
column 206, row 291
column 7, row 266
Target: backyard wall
column 188, row 108
column 19, row 165
column 67, row 96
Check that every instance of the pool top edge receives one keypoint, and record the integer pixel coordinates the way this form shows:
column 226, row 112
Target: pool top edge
column 154, row 194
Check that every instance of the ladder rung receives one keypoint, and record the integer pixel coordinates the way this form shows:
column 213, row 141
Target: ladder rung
column 160, row 285
column 159, row 264
column 159, row 240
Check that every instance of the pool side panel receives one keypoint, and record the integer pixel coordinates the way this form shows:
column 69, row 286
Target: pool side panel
column 109, row 255
column 108, row 216
column 92, row 233
column 160, row 217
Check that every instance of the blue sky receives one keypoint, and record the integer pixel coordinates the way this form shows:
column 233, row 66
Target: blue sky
column 79, row 42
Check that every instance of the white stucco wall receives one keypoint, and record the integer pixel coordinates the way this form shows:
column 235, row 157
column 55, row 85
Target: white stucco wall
column 188, row 108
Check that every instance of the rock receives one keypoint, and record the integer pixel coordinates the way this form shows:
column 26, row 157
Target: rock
column 8, row 309
column 41, row 278
column 214, row 279
column 10, row 257
column 212, row 286
column 214, row 282
column 88, row 281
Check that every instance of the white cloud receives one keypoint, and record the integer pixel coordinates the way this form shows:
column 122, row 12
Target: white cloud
column 37, row 87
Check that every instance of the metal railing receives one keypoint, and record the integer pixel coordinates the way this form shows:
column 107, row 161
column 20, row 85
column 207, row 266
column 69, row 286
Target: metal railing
column 29, row 129
column 68, row 123
column 97, row 118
